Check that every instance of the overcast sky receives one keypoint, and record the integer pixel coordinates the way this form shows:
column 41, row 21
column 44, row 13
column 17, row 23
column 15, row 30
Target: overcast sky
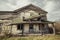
column 51, row 6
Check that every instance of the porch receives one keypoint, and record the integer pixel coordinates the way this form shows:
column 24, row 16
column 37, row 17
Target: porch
column 35, row 28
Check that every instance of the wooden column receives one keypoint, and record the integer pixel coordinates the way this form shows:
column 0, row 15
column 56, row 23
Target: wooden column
column 22, row 30
column 41, row 29
column 11, row 29
column 1, row 28
column 53, row 29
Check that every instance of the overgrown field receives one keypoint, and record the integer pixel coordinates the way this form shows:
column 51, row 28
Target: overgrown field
column 45, row 37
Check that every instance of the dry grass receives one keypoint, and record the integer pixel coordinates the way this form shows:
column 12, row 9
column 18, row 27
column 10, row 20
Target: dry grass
column 45, row 37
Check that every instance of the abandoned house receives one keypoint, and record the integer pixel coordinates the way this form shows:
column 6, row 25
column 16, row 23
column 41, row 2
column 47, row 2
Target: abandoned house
column 29, row 19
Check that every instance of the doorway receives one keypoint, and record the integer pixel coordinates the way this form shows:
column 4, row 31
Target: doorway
column 30, row 28
column 50, row 30
column 20, row 26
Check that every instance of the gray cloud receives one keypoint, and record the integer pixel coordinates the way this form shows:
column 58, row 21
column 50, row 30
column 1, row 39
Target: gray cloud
column 51, row 6
column 6, row 5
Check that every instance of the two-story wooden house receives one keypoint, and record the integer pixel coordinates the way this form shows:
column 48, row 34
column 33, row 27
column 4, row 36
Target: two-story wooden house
column 29, row 19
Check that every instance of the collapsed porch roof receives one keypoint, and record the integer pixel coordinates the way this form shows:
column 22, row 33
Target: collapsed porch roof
column 37, row 16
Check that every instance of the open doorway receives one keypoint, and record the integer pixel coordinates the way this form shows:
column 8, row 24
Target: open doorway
column 30, row 28
column 20, row 26
column 50, row 30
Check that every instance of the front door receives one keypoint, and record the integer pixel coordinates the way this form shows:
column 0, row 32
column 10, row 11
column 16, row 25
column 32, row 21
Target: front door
column 31, row 28
column 20, row 27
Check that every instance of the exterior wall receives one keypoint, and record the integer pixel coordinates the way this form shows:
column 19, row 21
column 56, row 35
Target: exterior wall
column 27, row 14
column 26, row 28
column 14, row 30
column 36, row 27
column 21, row 15
column 19, row 18
column 9, row 29
column 6, row 29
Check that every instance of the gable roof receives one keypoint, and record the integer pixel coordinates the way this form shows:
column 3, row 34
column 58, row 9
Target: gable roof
column 31, row 7
column 15, row 12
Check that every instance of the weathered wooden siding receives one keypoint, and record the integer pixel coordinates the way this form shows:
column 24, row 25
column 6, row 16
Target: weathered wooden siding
column 36, row 27
column 14, row 30
column 6, row 29
column 26, row 28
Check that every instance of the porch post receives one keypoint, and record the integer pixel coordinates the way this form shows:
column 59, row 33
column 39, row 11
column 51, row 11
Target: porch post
column 22, row 30
column 0, row 28
column 41, row 30
column 53, row 29
column 11, row 29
